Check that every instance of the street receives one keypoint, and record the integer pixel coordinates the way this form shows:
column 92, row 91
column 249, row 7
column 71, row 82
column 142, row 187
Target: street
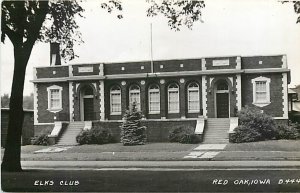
column 155, row 179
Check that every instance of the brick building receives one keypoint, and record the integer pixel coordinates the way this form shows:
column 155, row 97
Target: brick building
column 178, row 92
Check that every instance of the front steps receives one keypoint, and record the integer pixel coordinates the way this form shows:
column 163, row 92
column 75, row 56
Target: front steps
column 216, row 130
column 69, row 135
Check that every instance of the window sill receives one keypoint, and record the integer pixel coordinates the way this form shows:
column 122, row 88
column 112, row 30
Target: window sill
column 154, row 113
column 173, row 112
column 261, row 104
column 55, row 110
column 193, row 111
column 115, row 113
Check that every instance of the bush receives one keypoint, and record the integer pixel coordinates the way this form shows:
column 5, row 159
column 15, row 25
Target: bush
column 95, row 136
column 245, row 134
column 132, row 132
column 254, row 126
column 41, row 140
column 290, row 131
column 183, row 135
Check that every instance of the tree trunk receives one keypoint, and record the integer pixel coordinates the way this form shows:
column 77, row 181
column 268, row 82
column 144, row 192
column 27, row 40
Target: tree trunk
column 11, row 160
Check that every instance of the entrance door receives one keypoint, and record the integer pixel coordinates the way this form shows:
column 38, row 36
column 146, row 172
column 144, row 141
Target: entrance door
column 222, row 105
column 88, row 104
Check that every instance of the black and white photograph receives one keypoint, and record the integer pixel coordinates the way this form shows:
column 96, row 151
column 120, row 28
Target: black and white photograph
column 150, row 96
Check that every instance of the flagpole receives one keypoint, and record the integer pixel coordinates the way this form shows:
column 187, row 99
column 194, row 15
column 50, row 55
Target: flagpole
column 151, row 50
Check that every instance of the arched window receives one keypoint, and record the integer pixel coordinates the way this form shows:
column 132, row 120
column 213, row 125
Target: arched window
column 173, row 98
column 193, row 97
column 88, row 92
column 134, row 96
column 222, row 85
column 115, row 100
column 154, row 99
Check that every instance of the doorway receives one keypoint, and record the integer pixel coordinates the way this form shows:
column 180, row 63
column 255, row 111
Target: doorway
column 222, row 100
column 87, row 104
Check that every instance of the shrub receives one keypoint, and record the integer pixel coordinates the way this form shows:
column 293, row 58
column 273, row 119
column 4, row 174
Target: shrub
column 84, row 137
column 183, row 135
column 290, row 131
column 132, row 132
column 245, row 134
column 95, row 136
column 254, row 126
column 41, row 140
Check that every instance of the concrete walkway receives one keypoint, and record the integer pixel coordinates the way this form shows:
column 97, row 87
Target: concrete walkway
column 77, row 165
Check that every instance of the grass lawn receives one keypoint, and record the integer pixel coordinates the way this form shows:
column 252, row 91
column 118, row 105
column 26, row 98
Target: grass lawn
column 272, row 145
column 163, row 151
column 118, row 147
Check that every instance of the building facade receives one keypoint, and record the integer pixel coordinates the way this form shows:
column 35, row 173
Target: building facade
column 213, row 87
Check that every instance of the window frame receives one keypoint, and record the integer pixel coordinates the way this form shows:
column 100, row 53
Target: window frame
column 178, row 101
column 131, row 91
column 157, row 90
column 189, row 88
column 59, row 107
column 111, row 103
column 254, row 83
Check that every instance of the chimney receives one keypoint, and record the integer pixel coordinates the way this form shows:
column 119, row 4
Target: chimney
column 54, row 54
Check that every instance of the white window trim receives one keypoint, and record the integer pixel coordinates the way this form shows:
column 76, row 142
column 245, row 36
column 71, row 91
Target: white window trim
column 157, row 90
column 54, row 87
column 173, row 89
column 198, row 97
column 117, row 92
column 268, row 81
column 138, row 105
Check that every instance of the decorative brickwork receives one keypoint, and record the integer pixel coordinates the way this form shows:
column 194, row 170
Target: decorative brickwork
column 285, row 96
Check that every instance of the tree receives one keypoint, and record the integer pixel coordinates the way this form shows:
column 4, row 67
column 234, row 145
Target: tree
column 27, row 101
column 25, row 22
column 132, row 132
column 297, row 9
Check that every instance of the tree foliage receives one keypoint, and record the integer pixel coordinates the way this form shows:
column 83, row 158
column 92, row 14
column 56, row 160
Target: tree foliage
column 25, row 22
column 27, row 101
column 132, row 132
column 297, row 9
column 178, row 13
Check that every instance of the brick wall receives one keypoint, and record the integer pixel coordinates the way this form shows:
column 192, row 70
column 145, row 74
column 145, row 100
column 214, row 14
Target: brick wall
column 209, row 63
column 177, row 65
column 95, row 70
column 129, row 68
column 274, row 109
column 266, row 62
column 43, row 129
column 45, row 116
column 157, row 131
column 52, row 72
column 144, row 96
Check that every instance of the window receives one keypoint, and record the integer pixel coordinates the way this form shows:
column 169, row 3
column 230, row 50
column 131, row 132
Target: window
column 193, row 97
column 115, row 100
column 261, row 91
column 134, row 96
column 173, row 98
column 154, row 99
column 54, row 98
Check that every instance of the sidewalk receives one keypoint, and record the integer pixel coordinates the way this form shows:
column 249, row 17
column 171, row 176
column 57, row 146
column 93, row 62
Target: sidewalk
column 123, row 165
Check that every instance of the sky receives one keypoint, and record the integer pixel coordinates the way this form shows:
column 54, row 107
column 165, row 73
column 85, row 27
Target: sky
column 230, row 28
